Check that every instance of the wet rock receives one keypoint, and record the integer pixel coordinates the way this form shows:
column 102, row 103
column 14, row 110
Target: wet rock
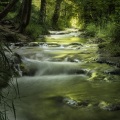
column 54, row 44
column 17, row 58
column 33, row 44
column 95, row 40
column 15, row 62
column 84, row 103
column 76, row 44
column 113, row 107
column 77, row 71
column 76, row 60
column 60, row 100
column 20, row 44
column 78, row 48
column 73, row 103
column 71, row 59
column 113, row 71
column 41, row 43
column 109, row 60
column 109, row 107
column 70, row 102
column 101, row 60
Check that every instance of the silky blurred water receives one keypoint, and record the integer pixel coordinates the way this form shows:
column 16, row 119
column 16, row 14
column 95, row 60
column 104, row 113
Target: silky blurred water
column 65, row 71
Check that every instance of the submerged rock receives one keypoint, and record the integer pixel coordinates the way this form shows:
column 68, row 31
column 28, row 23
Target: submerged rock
column 70, row 102
column 75, row 103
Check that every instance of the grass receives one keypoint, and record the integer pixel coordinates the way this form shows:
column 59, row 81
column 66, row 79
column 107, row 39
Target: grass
column 6, row 77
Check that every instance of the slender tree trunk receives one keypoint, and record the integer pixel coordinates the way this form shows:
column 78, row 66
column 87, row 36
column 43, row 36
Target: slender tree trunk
column 56, row 14
column 18, row 16
column 7, row 9
column 25, row 15
column 42, row 12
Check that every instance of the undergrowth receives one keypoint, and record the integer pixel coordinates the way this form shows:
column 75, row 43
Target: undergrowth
column 6, row 80
column 35, row 30
column 109, row 32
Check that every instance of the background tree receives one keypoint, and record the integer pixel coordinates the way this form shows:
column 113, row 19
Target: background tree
column 25, row 15
column 56, row 14
column 42, row 12
column 7, row 9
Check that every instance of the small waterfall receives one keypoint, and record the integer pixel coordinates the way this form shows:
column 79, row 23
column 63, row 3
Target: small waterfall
column 61, row 46
column 45, row 45
column 52, row 68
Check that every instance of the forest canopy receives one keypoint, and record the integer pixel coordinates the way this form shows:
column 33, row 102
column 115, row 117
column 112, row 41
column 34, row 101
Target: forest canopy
column 100, row 18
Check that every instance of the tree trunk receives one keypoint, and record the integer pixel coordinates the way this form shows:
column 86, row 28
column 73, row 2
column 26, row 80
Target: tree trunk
column 7, row 9
column 42, row 12
column 25, row 15
column 56, row 14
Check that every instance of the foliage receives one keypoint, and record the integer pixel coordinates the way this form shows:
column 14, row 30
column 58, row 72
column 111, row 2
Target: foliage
column 91, row 30
column 114, row 49
column 5, row 76
column 107, row 31
column 100, row 18
column 6, row 73
column 34, row 30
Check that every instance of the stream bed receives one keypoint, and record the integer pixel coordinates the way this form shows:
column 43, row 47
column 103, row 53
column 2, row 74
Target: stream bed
column 64, row 81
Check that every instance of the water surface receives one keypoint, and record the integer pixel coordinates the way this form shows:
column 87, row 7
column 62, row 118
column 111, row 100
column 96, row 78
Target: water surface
column 67, row 70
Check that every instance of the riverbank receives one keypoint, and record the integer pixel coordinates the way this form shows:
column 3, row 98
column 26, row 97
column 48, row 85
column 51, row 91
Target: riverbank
column 9, row 34
column 61, row 79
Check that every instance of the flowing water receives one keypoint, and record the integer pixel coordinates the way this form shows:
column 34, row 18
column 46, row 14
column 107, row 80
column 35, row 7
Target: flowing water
column 65, row 82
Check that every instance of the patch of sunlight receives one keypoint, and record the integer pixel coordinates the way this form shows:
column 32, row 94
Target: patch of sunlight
column 69, row 2
column 103, row 104
column 60, row 56
column 66, row 40
column 74, row 97
column 94, row 75
column 36, row 3
column 74, row 22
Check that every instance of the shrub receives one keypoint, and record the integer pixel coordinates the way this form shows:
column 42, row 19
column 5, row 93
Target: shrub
column 116, row 34
column 34, row 30
column 91, row 30
column 106, row 32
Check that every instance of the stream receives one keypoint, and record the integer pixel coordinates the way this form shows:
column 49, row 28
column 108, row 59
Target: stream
column 64, row 81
